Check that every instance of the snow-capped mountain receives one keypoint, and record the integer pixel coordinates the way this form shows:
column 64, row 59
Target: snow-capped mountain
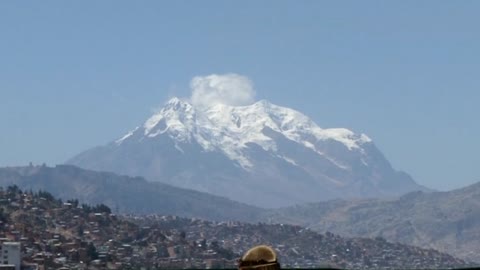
column 261, row 154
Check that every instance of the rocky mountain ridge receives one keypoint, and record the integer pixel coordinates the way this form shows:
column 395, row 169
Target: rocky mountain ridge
column 125, row 194
column 446, row 221
column 260, row 154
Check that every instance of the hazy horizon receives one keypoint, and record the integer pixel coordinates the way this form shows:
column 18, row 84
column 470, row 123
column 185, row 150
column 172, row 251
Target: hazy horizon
column 75, row 76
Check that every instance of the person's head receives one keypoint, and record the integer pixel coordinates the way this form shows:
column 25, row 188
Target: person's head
column 259, row 258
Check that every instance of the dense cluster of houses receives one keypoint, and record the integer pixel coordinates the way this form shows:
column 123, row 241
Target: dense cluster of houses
column 300, row 247
column 66, row 235
column 52, row 234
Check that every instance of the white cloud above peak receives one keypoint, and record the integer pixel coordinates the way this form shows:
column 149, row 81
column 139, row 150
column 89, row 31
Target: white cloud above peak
column 229, row 89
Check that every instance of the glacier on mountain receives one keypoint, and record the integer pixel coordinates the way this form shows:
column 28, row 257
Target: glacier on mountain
column 230, row 128
column 261, row 154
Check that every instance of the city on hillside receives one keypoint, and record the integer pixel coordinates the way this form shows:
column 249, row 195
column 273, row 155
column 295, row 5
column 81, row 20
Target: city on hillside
column 39, row 231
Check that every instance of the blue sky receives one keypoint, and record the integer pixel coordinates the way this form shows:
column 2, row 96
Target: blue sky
column 74, row 75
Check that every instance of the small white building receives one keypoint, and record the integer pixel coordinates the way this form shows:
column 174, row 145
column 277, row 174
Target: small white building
column 10, row 254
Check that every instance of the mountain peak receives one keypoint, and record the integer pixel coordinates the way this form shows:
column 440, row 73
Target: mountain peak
column 216, row 148
column 263, row 103
column 230, row 128
column 176, row 103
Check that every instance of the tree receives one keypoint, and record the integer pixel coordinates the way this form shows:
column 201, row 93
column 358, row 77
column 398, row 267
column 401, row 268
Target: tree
column 80, row 230
column 46, row 195
column 13, row 189
column 102, row 208
column 87, row 208
column 92, row 251
column 3, row 216
column 73, row 202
